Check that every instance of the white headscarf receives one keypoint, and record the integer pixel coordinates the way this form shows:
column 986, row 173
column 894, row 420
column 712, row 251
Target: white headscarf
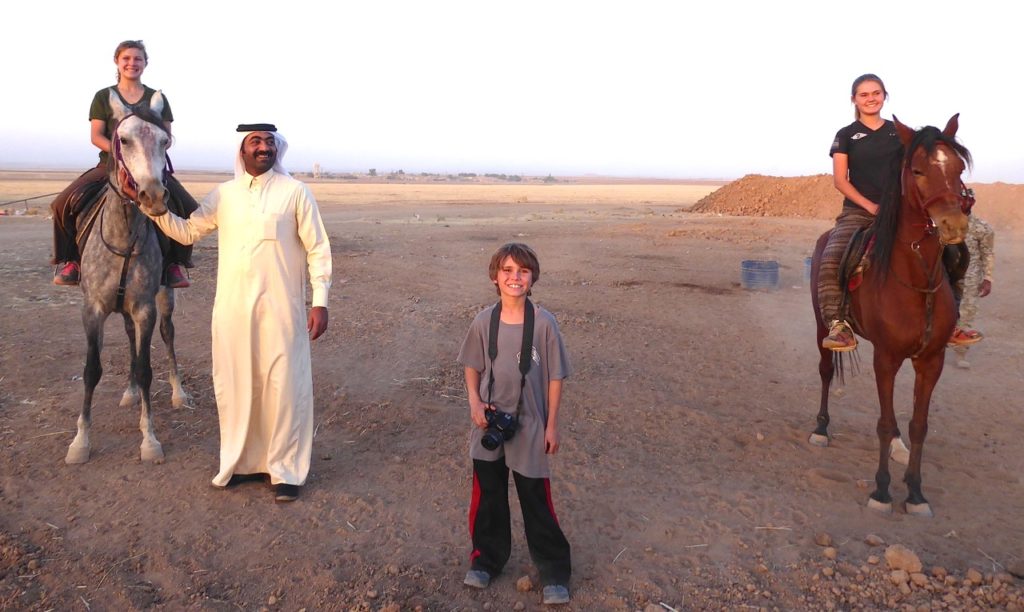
column 282, row 148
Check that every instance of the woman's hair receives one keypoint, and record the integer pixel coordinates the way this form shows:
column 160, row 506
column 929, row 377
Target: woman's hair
column 864, row 78
column 130, row 44
column 522, row 255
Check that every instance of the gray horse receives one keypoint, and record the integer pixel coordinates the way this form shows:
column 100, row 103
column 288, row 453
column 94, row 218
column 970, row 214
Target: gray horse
column 122, row 267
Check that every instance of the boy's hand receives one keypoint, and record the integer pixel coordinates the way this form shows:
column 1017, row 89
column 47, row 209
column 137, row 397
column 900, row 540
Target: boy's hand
column 476, row 413
column 551, row 440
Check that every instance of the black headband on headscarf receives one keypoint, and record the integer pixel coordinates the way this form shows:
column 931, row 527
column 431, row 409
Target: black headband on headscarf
column 256, row 127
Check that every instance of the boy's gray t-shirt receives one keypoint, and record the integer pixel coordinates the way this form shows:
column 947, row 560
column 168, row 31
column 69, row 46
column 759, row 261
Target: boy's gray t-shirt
column 525, row 452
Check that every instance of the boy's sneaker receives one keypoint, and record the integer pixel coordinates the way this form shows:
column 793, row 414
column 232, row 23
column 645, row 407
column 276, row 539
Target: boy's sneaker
column 176, row 277
column 555, row 594
column 478, row 579
column 68, row 274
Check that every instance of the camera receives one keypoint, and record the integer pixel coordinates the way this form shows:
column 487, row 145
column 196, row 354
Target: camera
column 501, row 426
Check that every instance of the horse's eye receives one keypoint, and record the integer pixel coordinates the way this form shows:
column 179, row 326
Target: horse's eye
column 123, row 140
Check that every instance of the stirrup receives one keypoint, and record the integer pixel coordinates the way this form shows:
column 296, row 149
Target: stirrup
column 840, row 337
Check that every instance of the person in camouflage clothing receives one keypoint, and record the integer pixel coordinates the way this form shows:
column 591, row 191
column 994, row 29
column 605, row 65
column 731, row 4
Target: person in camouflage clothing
column 977, row 283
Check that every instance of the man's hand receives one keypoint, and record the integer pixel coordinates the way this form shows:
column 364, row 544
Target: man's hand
column 126, row 185
column 985, row 288
column 317, row 323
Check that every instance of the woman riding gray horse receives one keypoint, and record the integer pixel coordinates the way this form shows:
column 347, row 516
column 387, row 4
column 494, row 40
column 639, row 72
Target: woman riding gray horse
column 73, row 203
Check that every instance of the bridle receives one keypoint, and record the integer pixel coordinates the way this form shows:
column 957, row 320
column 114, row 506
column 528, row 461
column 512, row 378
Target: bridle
column 120, row 166
column 134, row 234
column 933, row 274
column 965, row 198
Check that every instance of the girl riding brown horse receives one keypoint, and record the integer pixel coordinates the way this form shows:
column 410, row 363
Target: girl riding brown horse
column 905, row 304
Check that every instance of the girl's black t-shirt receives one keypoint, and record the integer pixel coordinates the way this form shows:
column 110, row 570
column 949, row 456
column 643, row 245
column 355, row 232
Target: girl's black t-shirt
column 873, row 158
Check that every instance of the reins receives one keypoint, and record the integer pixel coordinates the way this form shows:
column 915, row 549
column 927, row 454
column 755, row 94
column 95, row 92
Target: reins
column 933, row 276
column 126, row 253
column 134, row 233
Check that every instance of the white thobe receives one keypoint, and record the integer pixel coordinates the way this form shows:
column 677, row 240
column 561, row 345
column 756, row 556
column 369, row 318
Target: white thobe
column 270, row 235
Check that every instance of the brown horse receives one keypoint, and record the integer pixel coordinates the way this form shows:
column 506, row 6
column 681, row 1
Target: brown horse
column 905, row 305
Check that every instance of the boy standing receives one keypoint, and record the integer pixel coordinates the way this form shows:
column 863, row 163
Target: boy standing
column 499, row 380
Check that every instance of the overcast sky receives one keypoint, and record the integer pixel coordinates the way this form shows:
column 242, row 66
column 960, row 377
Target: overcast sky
column 708, row 89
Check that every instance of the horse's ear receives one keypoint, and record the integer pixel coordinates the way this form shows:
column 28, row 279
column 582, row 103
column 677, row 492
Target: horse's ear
column 117, row 107
column 156, row 103
column 952, row 126
column 906, row 134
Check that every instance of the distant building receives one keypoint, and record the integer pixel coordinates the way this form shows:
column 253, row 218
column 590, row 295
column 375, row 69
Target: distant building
column 316, row 170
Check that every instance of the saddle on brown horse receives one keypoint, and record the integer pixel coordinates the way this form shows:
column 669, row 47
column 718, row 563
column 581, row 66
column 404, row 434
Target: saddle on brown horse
column 857, row 259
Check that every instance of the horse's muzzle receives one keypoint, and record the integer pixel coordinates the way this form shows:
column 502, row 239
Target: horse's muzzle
column 151, row 200
column 952, row 229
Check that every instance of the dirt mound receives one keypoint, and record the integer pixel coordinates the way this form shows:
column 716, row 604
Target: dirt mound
column 756, row 195
column 814, row 197
column 1001, row 204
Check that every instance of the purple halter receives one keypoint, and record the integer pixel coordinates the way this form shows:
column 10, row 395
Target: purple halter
column 119, row 159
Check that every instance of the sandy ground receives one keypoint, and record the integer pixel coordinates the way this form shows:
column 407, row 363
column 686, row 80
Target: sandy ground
column 685, row 477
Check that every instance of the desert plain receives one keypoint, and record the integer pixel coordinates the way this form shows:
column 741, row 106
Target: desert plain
column 685, row 480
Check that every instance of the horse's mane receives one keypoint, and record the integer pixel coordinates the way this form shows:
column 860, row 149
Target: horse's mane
column 886, row 224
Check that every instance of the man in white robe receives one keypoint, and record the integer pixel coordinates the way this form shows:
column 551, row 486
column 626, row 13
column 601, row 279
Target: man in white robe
column 270, row 236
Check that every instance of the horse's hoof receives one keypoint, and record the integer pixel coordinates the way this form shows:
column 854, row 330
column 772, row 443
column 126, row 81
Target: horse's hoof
column 818, row 440
column 919, row 509
column 899, row 452
column 877, row 506
column 153, row 452
column 76, row 455
column 128, row 398
column 180, row 401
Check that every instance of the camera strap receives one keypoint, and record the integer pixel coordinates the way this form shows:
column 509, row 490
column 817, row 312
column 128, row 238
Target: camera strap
column 525, row 352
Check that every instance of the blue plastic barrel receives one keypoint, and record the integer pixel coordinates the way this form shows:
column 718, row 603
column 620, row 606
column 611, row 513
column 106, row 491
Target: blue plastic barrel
column 759, row 274
column 807, row 271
